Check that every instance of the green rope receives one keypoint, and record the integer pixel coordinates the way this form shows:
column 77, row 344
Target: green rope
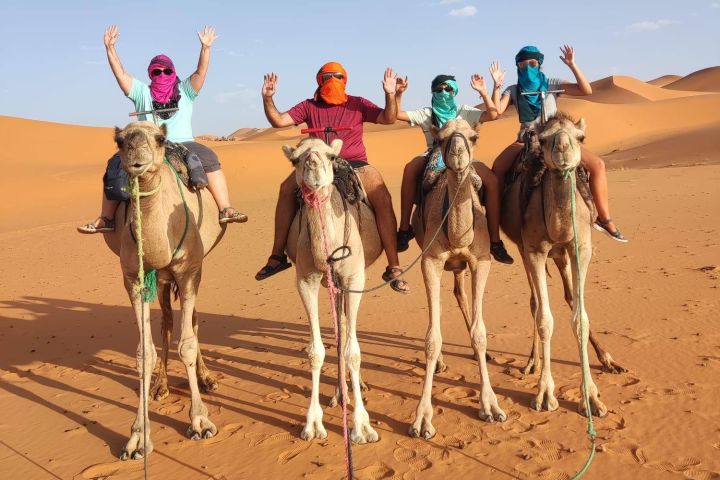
column 582, row 347
column 185, row 205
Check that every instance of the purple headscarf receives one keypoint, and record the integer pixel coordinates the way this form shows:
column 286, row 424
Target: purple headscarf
column 163, row 87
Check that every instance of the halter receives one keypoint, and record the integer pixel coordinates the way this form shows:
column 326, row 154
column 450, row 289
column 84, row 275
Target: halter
column 152, row 192
column 567, row 171
column 447, row 149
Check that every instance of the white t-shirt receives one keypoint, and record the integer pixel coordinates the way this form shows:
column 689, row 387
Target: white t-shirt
column 550, row 104
column 423, row 118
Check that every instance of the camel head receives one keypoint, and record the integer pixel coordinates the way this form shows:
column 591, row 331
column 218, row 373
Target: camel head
column 457, row 139
column 313, row 162
column 560, row 142
column 142, row 147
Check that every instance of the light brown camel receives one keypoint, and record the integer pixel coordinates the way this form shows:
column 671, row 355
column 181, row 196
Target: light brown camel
column 142, row 150
column 542, row 227
column 342, row 224
column 464, row 243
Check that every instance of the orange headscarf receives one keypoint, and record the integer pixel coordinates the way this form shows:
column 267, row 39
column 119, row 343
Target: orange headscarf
column 332, row 91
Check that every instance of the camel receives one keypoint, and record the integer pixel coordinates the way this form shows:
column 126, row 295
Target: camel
column 464, row 243
column 164, row 219
column 329, row 218
column 541, row 225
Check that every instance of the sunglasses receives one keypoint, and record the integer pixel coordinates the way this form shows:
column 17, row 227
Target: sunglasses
column 157, row 71
column 327, row 76
column 445, row 87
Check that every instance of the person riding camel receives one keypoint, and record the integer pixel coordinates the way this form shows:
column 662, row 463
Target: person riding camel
column 331, row 106
column 443, row 108
column 532, row 79
column 166, row 91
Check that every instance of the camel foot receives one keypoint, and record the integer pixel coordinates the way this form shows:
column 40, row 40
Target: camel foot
column 200, row 428
column 488, row 357
column 363, row 386
column 362, row 432
column 530, row 367
column 159, row 389
column 490, row 411
column 598, row 408
column 422, row 427
column 609, row 365
column 135, row 449
column 440, row 366
column 545, row 400
column 207, row 383
column 313, row 430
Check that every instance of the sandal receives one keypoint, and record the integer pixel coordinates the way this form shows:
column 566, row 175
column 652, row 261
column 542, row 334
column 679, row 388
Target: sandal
column 108, row 225
column 392, row 275
column 498, row 252
column 403, row 239
column 270, row 270
column 603, row 226
column 230, row 215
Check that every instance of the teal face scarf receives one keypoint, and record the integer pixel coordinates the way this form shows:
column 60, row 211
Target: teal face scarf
column 443, row 103
column 530, row 79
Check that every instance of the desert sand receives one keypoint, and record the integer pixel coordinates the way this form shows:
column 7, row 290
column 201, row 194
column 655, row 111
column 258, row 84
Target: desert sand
column 67, row 366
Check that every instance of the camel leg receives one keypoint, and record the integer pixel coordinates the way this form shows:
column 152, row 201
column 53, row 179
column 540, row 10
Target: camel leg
column 544, row 322
column 606, row 360
column 462, row 301
column 159, row 389
column 200, row 424
column 207, row 381
column 422, row 426
column 362, row 431
column 335, row 399
column 489, row 408
column 533, row 362
column 309, row 287
column 136, row 448
column 580, row 321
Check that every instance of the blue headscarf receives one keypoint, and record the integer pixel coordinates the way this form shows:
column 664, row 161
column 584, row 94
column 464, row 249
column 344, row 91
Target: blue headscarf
column 443, row 103
column 530, row 79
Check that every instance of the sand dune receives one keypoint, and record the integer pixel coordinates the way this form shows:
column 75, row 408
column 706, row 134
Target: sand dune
column 664, row 80
column 67, row 366
column 706, row 80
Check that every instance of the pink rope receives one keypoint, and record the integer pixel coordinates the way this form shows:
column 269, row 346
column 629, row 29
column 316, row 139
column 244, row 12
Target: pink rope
column 315, row 201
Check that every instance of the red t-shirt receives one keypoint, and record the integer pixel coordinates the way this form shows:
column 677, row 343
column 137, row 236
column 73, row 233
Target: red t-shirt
column 318, row 114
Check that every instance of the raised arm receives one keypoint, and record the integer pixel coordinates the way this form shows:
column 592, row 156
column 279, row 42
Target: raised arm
column 389, row 115
column 477, row 82
column 582, row 87
column 275, row 118
column 207, row 37
column 122, row 77
column 401, row 85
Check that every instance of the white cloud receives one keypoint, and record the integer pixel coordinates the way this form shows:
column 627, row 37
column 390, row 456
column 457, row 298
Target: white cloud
column 447, row 2
column 648, row 25
column 467, row 11
column 715, row 5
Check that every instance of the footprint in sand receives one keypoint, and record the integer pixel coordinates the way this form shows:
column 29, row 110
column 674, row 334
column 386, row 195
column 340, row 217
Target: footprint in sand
column 459, row 393
column 293, row 452
column 261, row 438
column 277, row 396
column 103, row 471
column 376, row 471
column 171, row 407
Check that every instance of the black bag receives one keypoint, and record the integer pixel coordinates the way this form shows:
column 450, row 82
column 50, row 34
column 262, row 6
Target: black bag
column 115, row 180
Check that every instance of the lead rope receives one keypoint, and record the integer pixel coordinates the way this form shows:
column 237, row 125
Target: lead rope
column 313, row 200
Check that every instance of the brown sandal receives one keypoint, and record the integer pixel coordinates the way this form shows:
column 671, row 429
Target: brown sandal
column 270, row 270
column 108, row 225
column 393, row 275
column 230, row 215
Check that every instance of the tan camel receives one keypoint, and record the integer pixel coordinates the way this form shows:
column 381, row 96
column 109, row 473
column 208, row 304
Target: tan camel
column 351, row 225
column 142, row 150
column 464, row 243
column 545, row 230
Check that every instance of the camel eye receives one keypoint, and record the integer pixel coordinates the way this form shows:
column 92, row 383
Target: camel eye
column 473, row 139
column 581, row 138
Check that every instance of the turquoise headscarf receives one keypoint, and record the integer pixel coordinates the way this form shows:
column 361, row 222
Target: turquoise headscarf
column 530, row 79
column 443, row 104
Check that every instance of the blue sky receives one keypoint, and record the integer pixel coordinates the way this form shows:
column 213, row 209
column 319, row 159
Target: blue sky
column 53, row 65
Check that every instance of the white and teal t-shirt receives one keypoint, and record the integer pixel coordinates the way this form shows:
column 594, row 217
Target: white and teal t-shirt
column 423, row 118
column 179, row 126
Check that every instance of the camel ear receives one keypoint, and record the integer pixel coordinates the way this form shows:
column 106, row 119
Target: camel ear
column 118, row 137
column 336, row 146
column 580, row 125
column 288, row 151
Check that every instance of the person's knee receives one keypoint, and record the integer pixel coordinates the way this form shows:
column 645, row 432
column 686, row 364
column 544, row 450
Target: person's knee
column 594, row 163
column 287, row 187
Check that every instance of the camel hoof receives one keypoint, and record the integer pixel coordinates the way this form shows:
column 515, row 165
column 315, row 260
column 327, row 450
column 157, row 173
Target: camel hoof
column 367, row 435
column 414, row 432
column 333, row 402
column 364, row 387
column 440, row 367
column 614, row 368
column 124, row 455
column 545, row 402
column 137, row 455
column 598, row 408
column 159, row 393
column 308, row 433
column 208, row 433
column 529, row 369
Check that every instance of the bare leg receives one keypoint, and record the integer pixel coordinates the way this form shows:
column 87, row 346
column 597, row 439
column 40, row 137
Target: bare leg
column 412, row 171
column 504, row 161
column 492, row 199
column 381, row 201
column 284, row 213
column 217, row 184
column 598, row 185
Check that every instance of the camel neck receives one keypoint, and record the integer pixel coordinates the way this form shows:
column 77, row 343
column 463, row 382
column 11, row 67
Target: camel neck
column 322, row 222
column 557, row 193
column 461, row 215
